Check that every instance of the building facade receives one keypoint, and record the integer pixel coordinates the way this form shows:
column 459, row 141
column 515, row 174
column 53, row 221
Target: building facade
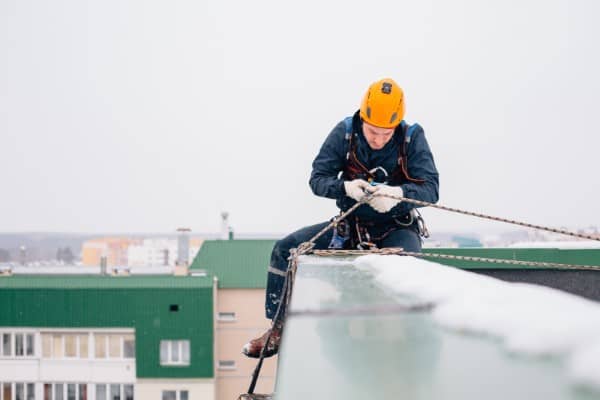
column 114, row 249
column 102, row 337
column 160, row 251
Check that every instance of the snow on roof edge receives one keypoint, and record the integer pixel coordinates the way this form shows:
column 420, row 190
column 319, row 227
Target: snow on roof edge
column 530, row 319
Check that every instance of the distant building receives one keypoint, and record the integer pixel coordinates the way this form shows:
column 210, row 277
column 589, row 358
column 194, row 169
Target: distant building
column 114, row 249
column 161, row 251
column 135, row 252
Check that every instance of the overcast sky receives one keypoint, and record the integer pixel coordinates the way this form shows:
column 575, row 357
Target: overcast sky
column 149, row 115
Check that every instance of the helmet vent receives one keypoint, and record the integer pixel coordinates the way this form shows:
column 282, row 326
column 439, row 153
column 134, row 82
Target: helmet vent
column 386, row 88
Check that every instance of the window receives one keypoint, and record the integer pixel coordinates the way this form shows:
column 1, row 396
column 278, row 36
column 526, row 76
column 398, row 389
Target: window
column 65, row 345
column 169, row 395
column 83, row 346
column 115, row 346
column 185, row 352
column 17, row 344
column 82, row 391
column 58, row 391
column 65, row 391
column 226, row 317
column 19, row 347
column 6, row 344
column 70, row 346
column 100, row 392
column 57, row 346
column 175, row 352
column 30, row 391
column 71, row 391
column 226, row 364
column 100, row 341
column 6, row 390
column 114, row 391
column 46, row 345
column 128, row 346
column 175, row 395
column 47, row 391
column 128, row 392
column 29, row 344
column 17, row 391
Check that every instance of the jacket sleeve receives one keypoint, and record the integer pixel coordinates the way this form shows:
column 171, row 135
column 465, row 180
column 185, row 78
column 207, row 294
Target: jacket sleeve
column 420, row 165
column 326, row 168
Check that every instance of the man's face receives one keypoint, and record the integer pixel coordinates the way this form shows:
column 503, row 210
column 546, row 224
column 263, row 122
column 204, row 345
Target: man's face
column 377, row 137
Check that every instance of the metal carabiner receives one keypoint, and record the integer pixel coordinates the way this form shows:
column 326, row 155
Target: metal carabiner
column 373, row 172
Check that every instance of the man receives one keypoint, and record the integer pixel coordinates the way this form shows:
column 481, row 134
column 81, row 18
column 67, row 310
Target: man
column 373, row 151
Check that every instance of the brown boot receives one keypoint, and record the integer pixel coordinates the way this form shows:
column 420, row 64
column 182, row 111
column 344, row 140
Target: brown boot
column 253, row 348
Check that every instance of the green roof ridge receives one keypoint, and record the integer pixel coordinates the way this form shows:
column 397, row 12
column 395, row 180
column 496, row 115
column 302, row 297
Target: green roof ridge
column 236, row 263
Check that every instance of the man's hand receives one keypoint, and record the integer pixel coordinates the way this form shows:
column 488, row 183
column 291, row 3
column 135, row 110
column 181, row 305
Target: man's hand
column 356, row 189
column 383, row 204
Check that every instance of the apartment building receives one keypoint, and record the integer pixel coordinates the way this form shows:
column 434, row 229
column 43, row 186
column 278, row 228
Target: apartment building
column 103, row 337
column 160, row 251
column 113, row 248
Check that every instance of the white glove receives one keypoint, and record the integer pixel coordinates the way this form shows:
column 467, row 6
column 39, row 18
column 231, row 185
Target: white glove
column 384, row 204
column 356, row 188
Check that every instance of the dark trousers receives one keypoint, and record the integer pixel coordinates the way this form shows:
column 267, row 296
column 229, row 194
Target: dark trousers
column 407, row 238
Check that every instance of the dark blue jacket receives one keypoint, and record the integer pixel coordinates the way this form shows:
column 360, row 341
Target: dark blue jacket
column 326, row 181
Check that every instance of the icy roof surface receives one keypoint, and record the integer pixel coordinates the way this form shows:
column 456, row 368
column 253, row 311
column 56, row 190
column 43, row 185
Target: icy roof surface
column 483, row 337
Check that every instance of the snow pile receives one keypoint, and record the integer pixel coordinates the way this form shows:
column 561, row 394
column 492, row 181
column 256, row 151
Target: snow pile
column 319, row 261
column 530, row 319
column 321, row 293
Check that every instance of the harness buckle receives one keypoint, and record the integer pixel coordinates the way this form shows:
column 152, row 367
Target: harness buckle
column 379, row 176
column 421, row 227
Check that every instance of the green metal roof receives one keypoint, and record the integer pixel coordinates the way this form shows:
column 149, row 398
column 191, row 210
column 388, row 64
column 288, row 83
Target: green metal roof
column 563, row 256
column 236, row 263
column 103, row 282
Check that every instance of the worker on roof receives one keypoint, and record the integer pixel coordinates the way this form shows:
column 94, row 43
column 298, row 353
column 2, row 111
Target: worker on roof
column 374, row 150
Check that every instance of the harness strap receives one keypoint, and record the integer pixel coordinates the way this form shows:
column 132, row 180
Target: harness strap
column 355, row 167
column 275, row 271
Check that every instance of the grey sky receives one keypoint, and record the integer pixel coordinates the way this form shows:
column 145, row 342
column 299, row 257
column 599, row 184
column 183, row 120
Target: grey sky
column 149, row 115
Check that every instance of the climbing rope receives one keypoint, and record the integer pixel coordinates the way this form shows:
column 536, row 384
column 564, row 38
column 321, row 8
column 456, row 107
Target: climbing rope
column 400, row 251
column 536, row 264
column 490, row 217
column 386, row 251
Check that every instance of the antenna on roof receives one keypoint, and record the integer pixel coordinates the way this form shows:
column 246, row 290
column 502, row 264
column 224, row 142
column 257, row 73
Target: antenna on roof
column 225, row 228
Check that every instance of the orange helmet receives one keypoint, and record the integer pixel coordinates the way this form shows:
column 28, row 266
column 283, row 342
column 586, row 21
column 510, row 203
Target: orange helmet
column 383, row 104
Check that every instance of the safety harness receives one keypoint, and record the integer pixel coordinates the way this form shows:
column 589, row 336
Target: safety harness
column 354, row 169
column 355, row 233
